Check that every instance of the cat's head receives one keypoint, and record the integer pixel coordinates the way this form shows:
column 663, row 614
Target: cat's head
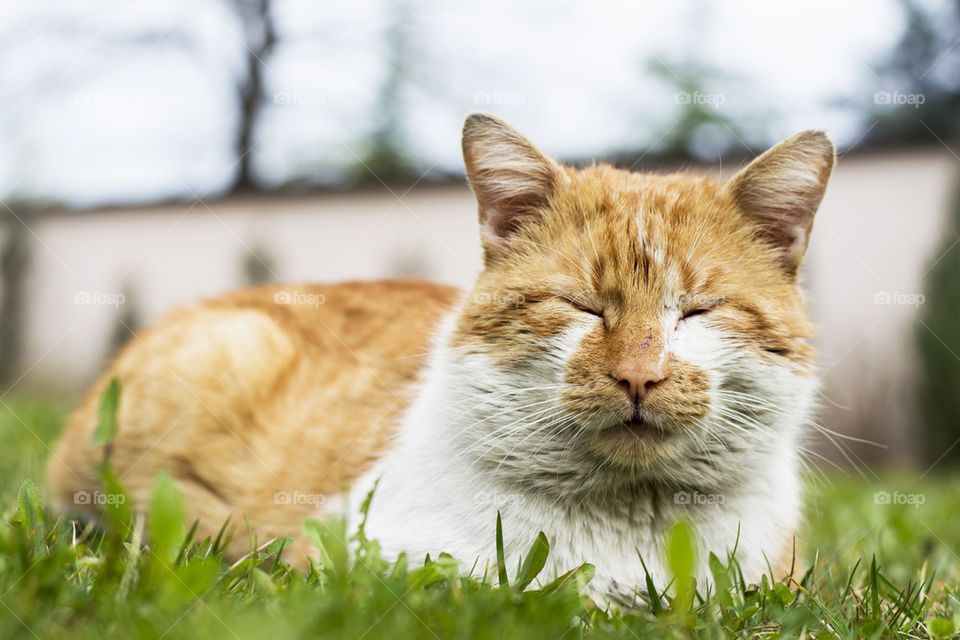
column 650, row 324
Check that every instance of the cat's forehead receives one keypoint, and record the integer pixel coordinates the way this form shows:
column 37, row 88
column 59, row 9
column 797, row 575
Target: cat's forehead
column 653, row 200
column 667, row 230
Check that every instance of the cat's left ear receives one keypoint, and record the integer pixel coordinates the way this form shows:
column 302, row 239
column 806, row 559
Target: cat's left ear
column 510, row 177
column 782, row 189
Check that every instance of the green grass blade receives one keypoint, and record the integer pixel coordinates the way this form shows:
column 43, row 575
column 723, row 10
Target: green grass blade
column 501, row 557
column 579, row 577
column 106, row 429
column 681, row 552
column 167, row 528
column 534, row 562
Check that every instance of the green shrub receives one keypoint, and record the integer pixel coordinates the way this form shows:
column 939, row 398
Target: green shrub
column 938, row 346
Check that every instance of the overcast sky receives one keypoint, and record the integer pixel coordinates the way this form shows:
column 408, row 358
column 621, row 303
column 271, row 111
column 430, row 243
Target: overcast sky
column 111, row 101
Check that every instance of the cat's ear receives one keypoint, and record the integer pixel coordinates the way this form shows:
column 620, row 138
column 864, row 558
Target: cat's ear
column 511, row 178
column 781, row 190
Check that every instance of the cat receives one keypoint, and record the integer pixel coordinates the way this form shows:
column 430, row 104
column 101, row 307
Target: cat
column 634, row 351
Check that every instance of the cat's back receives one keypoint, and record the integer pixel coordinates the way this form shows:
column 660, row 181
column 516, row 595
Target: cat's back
column 374, row 318
column 261, row 401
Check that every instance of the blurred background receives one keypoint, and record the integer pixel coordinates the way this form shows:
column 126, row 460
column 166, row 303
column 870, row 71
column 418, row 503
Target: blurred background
column 156, row 153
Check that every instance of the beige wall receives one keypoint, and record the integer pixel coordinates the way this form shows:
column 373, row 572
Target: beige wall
column 876, row 231
column 177, row 253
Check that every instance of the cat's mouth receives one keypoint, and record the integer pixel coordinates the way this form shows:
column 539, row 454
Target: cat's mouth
column 637, row 440
column 640, row 428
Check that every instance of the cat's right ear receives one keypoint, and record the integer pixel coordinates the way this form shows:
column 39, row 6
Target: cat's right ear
column 511, row 179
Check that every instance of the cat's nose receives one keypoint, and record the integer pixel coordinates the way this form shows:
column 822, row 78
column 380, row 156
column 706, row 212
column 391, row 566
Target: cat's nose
column 637, row 379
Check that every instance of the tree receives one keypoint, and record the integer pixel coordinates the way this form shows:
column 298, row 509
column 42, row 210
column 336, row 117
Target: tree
column 260, row 38
column 385, row 155
column 703, row 124
column 702, row 120
column 918, row 89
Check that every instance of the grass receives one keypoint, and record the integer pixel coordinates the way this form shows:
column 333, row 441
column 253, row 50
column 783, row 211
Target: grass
column 874, row 571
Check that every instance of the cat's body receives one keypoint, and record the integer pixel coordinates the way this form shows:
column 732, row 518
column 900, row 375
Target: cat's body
column 633, row 352
column 260, row 410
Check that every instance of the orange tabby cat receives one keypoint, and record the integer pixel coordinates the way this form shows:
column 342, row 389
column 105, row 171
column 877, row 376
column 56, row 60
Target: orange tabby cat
column 634, row 351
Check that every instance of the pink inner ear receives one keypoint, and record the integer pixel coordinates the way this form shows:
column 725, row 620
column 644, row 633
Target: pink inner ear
column 786, row 228
column 505, row 216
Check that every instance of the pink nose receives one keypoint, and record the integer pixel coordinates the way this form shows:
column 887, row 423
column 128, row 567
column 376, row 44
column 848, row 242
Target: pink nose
column 637, row 379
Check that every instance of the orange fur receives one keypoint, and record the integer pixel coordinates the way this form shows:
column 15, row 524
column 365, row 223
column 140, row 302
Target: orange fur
column 241, row 398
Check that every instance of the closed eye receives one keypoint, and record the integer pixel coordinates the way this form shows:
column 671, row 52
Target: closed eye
column 581, row 307
column 696, row 312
